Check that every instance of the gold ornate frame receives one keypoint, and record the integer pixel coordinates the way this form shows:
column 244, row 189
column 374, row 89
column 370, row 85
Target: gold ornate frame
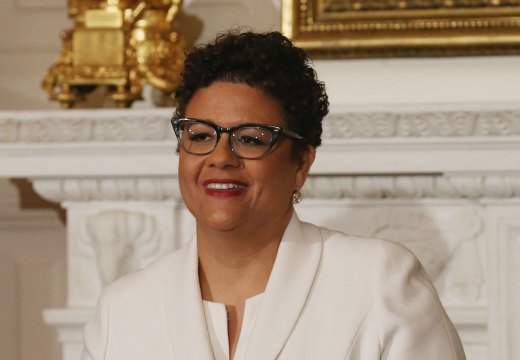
column 396, row 28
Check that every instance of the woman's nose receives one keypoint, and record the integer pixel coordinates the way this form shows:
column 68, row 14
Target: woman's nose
column 223, row 156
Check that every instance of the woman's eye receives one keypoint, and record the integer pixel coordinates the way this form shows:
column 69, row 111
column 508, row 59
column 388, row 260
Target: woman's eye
column 200, row 136
column 251, row 140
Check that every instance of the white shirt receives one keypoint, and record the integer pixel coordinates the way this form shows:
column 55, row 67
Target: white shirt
column 217, row 323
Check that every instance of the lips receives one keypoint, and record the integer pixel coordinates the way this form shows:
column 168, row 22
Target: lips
column 224, row 187
column 228, row 186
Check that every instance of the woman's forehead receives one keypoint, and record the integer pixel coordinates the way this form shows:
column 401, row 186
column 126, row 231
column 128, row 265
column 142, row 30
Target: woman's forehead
column 232, row 104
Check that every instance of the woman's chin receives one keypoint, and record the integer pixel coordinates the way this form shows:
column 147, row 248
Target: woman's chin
column 222, row 221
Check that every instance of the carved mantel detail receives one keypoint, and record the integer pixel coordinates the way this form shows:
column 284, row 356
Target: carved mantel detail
column 316, row 187
column 108, row 189
column 153, row 125
column 422, row 124
column 412, row 187
column 79, row 126
column 118, row 241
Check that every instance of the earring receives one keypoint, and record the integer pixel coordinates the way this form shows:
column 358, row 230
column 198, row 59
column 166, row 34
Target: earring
column 296, row 197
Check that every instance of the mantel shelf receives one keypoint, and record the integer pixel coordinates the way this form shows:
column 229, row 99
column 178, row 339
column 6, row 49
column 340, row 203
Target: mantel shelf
column 395, row 140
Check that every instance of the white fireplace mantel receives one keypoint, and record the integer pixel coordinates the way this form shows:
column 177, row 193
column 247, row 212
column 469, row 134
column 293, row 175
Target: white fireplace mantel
column 443, row 180
column 406, row 139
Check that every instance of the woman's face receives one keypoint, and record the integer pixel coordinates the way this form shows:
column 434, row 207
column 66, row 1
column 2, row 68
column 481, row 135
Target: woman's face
column 225, row 192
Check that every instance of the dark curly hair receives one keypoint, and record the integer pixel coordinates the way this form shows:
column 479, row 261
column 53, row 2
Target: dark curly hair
column 268, row 62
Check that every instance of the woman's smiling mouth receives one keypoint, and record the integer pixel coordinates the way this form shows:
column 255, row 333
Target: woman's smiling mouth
column 228, row 186
column 224, row 187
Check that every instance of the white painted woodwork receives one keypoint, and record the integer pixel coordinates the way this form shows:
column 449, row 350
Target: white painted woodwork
column 444, row 181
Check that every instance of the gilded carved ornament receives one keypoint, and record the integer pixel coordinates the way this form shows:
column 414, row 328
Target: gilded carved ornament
column 403, row 28
column 120, row 44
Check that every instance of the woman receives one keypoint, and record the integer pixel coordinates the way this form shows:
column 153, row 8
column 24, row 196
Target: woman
column 257, row 283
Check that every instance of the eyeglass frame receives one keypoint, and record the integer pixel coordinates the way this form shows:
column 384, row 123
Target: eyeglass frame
column 275, row 131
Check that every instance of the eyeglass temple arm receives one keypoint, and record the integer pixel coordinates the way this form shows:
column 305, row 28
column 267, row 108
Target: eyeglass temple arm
column 293, row 135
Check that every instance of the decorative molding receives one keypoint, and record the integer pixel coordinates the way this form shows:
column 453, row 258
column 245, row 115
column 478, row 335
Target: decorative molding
column 107, row 239
column 69, row 322
column 504, row 275
column 316, row 187
column 412, row 187
column 106, row 189
column 79, row 126
column 422, row 124
column 109, row 143
column 119, row 240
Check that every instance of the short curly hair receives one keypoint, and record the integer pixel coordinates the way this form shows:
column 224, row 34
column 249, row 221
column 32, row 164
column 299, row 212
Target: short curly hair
column 268, row 62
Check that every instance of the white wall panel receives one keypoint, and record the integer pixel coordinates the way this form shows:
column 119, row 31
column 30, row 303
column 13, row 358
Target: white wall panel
column 21, row 74
column 32, row 268
column 31, row 27
column 40, row 4
column 218, row 16
column 427, row 81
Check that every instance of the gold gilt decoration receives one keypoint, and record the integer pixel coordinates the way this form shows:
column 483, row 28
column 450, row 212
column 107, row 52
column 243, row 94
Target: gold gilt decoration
column 121, row 44
column 392, row 28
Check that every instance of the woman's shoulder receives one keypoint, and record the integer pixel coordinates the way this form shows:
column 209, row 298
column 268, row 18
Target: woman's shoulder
column 376, row 259
column 344, row 245
column 402, row 307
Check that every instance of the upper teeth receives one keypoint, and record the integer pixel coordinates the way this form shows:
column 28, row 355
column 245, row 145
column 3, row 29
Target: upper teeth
column 220, row 186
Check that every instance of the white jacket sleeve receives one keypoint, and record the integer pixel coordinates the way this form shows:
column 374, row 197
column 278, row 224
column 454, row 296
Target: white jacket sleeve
column 406, row 320
column 412, row 321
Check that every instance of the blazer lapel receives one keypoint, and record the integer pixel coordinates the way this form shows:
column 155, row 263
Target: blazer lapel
column 287, row 290
column 184, row 311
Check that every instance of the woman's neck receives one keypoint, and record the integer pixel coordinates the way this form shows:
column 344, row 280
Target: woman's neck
column 235, row 265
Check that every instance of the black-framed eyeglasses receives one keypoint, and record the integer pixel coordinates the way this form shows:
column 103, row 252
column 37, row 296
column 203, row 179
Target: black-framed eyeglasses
column 247, row 141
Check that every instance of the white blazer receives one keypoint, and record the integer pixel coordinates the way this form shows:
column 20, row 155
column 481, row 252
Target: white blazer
column 329, row 296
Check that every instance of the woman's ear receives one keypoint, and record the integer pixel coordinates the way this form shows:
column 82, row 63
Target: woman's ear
column 305, row 161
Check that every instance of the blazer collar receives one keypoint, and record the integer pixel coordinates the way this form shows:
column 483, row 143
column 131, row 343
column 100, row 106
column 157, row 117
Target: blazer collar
column 287, row 290
column 184, row 311
column 289, row 285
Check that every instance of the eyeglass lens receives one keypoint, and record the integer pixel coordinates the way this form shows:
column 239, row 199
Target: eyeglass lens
column 247, row 142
